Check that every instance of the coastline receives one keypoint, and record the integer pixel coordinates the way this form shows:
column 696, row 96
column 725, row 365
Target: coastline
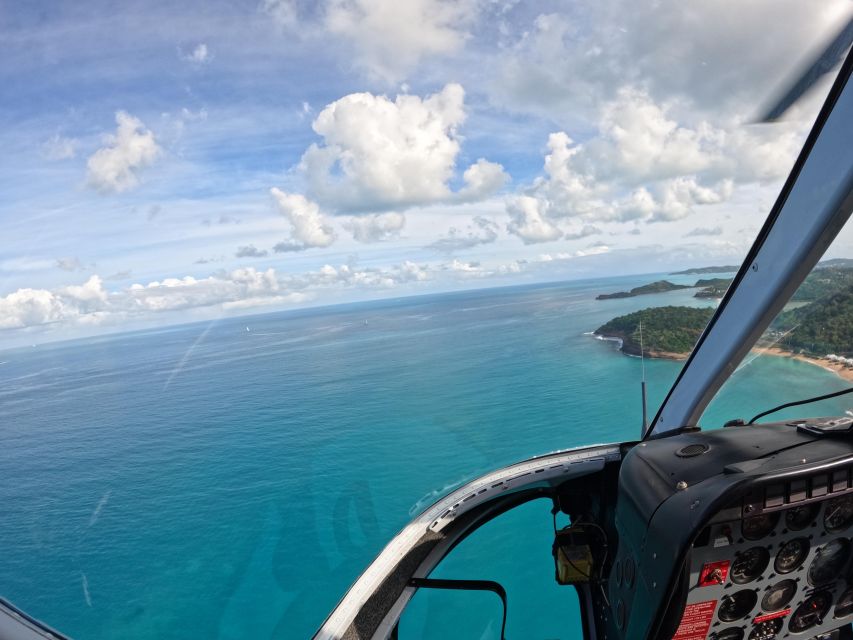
column 842, row 371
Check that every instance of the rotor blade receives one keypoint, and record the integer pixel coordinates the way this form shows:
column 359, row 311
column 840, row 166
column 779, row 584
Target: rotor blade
column 823, row 64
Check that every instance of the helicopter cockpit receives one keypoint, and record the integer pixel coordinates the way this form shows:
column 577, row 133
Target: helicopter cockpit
column 733, row 533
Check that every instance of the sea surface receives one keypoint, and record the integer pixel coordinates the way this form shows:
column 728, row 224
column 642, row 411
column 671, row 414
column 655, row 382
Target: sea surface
column 231, row 479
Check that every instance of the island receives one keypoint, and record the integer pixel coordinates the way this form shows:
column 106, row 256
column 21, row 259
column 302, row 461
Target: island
column 668, row 332
column 660, row 286
column 699, row 270
column 712, row 287
column 816, row 327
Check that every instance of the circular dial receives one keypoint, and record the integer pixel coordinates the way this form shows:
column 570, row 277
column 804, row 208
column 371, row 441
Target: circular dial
column 737, row 605
column 732, row 633
column 791, row 555
column 838, row 514
column 798, row 518
column 750, row 564
column 810, row 613
column 844, row 606
column 828, row 561
column 778, row 596
column 757, row 527
column 766, row 629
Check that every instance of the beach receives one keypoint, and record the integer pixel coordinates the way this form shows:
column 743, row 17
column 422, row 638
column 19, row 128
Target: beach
column 843, row 371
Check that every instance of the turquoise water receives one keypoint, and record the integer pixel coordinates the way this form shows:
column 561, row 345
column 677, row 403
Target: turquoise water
column 209, row 481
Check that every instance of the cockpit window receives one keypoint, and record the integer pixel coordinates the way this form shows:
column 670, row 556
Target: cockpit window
column 806, row 352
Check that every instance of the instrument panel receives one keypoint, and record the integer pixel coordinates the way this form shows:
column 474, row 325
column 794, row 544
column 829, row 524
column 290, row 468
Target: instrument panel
column 776, row 574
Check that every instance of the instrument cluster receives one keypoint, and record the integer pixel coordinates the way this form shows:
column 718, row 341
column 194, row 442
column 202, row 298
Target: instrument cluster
column 778, row 574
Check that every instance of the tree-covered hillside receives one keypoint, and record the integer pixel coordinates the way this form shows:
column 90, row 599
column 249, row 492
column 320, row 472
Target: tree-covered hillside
column 666, row 330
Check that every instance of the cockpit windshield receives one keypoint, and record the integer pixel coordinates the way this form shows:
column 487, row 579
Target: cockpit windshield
column 807, row 351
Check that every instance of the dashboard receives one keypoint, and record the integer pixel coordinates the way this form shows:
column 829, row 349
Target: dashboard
column 743, row 533
column 779, row 573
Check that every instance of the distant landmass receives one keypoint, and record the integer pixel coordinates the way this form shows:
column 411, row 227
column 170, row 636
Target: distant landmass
column 661, row 286
column 697, row 270
column 711, row 288
column 668, row 332
column 820, row 326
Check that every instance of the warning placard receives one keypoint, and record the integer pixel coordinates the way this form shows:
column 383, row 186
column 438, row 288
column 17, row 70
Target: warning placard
column 696, row 621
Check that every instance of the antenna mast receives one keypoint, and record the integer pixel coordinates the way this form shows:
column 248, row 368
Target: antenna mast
column 643, row 382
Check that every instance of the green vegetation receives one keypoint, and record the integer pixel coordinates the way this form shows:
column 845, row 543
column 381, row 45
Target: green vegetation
column 712, row 287
column 667, row 331
column 661, row 286
column 820, row 328
column 823, row 282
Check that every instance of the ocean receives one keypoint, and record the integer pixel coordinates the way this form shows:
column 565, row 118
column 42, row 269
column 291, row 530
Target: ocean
column 230, row 479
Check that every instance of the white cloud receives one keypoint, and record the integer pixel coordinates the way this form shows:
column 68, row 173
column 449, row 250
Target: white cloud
column 199, row 55
column 482, row 179
column 378, row 154
column 391, row 37
column 59, row 148
column 528, row 222
column 480, row 231
column 382, row 154
column 283, row 12
column 250, row 251
column 113, row 168
column 704, row 231
column 376, row 227
column 308, row 227
column 706, row 55
column 642, row 164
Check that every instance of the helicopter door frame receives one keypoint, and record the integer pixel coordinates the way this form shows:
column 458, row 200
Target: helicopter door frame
column 372, row 606
column 812, row 208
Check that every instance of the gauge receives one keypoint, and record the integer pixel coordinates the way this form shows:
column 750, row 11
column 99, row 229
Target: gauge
column 844, row 606
column 732, row 633
column 757, row 527
column 829, row 560
column 810, row 613
column 798, row 518
column 750, row 564
column 766, row 630
column 737, row 605
column 838, row 514
column 779, row 595
column 791, row 555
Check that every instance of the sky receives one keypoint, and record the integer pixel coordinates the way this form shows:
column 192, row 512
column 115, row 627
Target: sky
column 169, row 162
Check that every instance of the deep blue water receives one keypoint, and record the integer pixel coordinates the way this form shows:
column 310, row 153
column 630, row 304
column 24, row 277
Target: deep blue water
column 209, row 481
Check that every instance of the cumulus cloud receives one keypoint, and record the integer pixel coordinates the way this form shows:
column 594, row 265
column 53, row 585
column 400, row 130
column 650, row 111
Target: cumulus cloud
column 308, row 226
column 482, row 179
column 528, row 222
column 29, row 307
column 704, row 231
column 250, row 251
column 376, row 227
column 480, row 231
column 391, row 37
column 642, row 164
column 114, row 167
column 378, row 154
